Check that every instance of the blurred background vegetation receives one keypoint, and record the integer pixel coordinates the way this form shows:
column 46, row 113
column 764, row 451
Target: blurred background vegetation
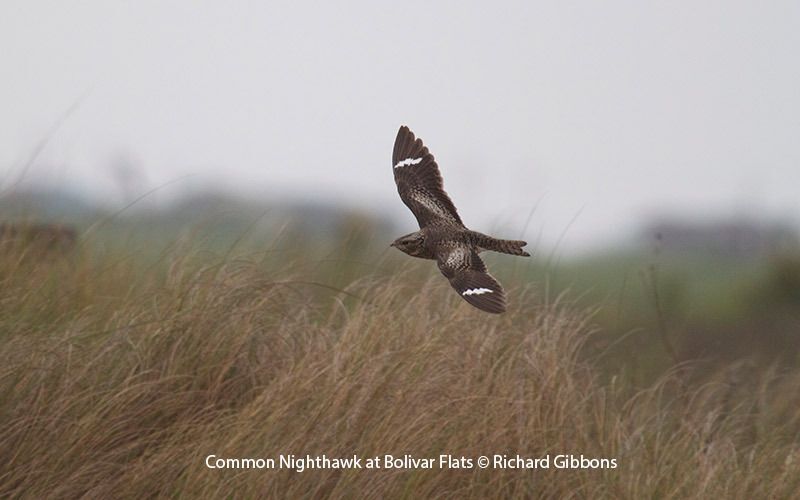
column 711, row 293
column 139, row 340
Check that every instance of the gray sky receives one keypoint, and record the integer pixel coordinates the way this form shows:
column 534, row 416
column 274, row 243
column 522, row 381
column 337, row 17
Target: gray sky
column 615, row 110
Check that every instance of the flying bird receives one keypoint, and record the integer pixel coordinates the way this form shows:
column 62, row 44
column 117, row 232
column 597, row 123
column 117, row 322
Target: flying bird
column 442, row 236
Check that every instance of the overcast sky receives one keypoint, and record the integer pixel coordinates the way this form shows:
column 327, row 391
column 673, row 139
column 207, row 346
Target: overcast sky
column 602, row 112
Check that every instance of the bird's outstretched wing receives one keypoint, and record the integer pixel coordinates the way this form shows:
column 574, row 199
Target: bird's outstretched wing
column 420, row 183
column 467, row 274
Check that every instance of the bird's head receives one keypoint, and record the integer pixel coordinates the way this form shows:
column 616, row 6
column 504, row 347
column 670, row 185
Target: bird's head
column 410, row 243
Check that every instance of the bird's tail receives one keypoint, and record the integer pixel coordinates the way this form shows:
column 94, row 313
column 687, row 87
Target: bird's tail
column 512, row 247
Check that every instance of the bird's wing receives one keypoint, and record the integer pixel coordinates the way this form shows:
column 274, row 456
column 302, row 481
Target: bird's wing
column 467, row 274
column 420, row 183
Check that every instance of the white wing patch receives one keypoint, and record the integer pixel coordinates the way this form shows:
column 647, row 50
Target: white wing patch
column 408, row 162
column 477, row 291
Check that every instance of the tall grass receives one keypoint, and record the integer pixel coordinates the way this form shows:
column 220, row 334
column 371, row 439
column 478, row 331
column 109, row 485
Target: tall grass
column 119, row 378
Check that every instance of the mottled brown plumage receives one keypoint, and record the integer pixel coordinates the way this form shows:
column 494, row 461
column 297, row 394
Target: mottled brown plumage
column 442, row 236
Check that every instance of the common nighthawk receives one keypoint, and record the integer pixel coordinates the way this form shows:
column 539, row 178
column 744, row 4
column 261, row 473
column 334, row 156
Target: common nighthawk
column 442, row 236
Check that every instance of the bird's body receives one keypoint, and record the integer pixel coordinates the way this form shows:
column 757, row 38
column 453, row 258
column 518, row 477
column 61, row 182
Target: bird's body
column 442, row 236
column 431, row 241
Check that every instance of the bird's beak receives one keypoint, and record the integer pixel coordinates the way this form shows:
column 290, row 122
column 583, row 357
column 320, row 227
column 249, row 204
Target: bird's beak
column 392, row 244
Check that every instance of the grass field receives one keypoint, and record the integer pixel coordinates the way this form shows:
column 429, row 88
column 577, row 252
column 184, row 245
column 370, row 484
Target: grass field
column 122, row 371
